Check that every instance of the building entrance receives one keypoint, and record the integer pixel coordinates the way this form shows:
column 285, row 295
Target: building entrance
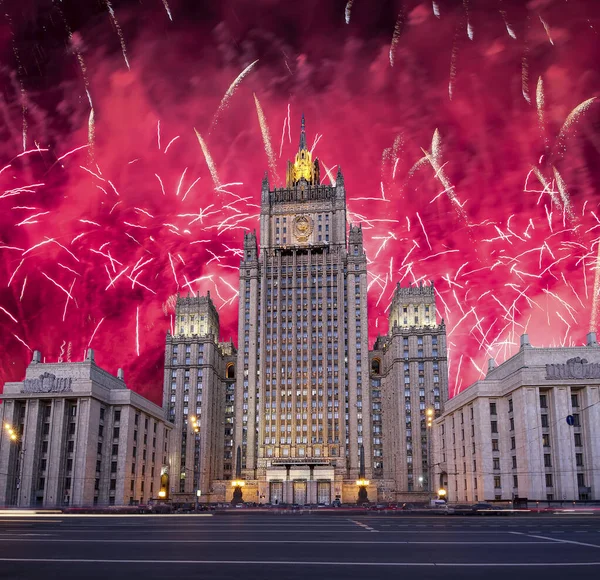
column 300, row 492
column 323, row 492
column 276, row 492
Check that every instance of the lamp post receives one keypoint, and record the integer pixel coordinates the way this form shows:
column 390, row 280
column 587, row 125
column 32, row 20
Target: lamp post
column 238, row 483
column 14, row 438
column 429, row 414
column 196, row 478
column 361, row 482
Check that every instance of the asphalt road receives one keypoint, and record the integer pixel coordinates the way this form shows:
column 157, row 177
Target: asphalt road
column 298, row 546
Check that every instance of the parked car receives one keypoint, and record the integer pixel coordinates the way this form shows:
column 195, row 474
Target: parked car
column 458, row 510
column 483, row 509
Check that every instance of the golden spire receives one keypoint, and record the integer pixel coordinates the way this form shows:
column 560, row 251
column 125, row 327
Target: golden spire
column 303, row 166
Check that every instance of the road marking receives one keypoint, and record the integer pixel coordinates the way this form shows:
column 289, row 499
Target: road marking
column 188, row 541
column 557, row 540
column 30, row 521
column 305, row 563
column 365, row 526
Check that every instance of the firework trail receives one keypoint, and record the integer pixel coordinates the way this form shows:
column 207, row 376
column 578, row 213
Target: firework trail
column 229, row 93
column 547, row 29
column 540, row 103
column 396, row 36
column 348, row 11
column 453, row 59
column 469, row 26
column 209, row 162
column 119, row 31
column 166, row 5
column 564, row 195
column 573, row 117
column 436, row 9
column 264, row 129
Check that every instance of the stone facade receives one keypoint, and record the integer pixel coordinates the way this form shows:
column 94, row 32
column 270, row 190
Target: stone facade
column 530, row 429
column 198, row 399
column 409, row 374
column 82, row 438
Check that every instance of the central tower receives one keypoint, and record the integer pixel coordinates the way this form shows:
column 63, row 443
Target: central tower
column 302, row 390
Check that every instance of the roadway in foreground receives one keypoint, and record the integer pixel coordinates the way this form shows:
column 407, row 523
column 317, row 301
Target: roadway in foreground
column 298, row 546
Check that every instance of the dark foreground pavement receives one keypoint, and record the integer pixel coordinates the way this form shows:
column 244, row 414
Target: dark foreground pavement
column 296, row 546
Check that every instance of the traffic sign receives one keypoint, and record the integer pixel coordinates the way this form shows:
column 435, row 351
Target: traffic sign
column 570, row 420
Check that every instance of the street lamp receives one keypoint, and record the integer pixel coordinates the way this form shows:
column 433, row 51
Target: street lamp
column 196, row 428
column 429, row 414
column 237, row 483
column 442, row 493
column 14, row 437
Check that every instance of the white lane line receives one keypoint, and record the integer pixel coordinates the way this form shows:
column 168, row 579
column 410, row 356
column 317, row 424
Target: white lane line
column 560, row 541
column 304, row 563
column 187, row 541
column 365, row 526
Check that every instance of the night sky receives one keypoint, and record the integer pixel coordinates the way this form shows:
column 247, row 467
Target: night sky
column 467, row 132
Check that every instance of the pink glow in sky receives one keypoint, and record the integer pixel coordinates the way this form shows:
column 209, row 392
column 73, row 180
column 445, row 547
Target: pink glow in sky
column 467, row 133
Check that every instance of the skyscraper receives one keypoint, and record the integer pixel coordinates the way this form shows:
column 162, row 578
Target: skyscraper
column 302, row 396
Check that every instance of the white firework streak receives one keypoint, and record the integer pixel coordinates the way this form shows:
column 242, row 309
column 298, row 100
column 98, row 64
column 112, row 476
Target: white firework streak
column 396, row 36
column 168, row 10
column 95, row 331
column 91, row 133
column 573, row 117
column 137, row 330
column 9, row 314
column 67, row 302
column 546, row 28
column 547, row 187
column 229, row 93
column 209, row 160
column 119, row 31
column 564, row 195
column 436, row 9
column 264, row 129
column 21, row 341
column 23, row 289
column 348, row 11
column 433, row 159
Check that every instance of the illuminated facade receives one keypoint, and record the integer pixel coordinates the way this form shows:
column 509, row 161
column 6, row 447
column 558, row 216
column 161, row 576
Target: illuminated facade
column 529, row 429
column 74, row 435
column 309, row 399
column 198, row 393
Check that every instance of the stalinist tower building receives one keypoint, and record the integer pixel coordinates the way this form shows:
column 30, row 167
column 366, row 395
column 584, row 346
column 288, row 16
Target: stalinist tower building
column 302, row 395
column 311, row 411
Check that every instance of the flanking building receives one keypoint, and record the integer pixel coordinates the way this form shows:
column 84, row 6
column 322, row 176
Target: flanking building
column 409, row 382
column 529, row 429
column 198, row 399
column 74, row 435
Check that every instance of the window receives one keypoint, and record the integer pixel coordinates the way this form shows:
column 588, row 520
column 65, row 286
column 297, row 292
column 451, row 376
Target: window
column 116, row 433
column 494, row 425
column 546, row 440
column 513, row 443
column 113, row 485
column 548, row 480
column 492, row 408
column 495, row 446
column 514, row 461
column 544, row 401
column 117, row 415
column 515, row 481
column 496, row 463
column 547, row 460
column 544, row 420
column 113, row 467
column 497, row 483
column 578, row 458
column 574, row 400
column 577, row 439
column 510, row 405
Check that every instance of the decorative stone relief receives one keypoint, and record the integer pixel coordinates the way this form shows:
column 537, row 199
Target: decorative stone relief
column 47, row 383
column 575, row 368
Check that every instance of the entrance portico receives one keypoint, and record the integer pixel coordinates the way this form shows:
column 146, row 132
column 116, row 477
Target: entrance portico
column 299, row 481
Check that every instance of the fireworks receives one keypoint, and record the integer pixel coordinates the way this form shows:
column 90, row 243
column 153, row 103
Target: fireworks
column 113, row 208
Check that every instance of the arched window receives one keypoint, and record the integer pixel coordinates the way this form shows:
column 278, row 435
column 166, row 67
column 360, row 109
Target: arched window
column 375, row 366
column 230, row 374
